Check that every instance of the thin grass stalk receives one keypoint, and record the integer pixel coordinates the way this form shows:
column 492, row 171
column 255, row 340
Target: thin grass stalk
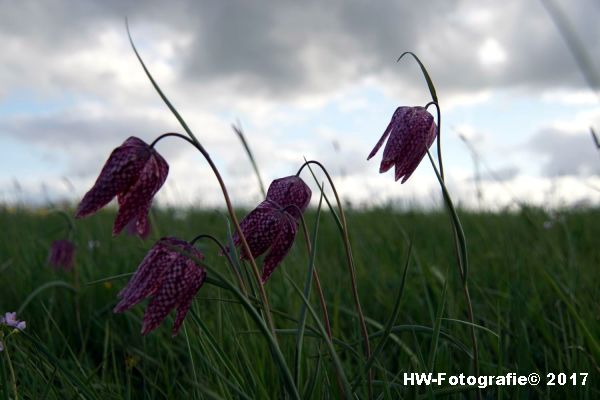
column 347, row 389
column 260, row 322
column 11, row 370
column 215, row 170
column 437, row 327
column 459, row 236
column 389, row 326
column 351, row 268
column 240, row 133
column 4, row 379
column 312, row 271
column 223, row 249
column 75, row 381
column 191, row 355
column 460, row 242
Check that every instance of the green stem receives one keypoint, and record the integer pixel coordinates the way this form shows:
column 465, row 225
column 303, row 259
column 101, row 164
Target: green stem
column 12, row 372
column 463, row 264
column 196, row 143
column 237, row 274
column 238, row 130
column 245, row 301
column 351, row 270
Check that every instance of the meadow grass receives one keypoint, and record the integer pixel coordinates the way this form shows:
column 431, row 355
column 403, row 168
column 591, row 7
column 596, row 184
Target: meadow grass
column 534, row 291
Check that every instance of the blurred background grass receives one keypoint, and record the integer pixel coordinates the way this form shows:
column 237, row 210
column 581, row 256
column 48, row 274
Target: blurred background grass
column 534, row 285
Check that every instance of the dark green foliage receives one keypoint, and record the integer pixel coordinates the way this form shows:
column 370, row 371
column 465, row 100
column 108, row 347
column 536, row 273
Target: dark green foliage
column 534, row 292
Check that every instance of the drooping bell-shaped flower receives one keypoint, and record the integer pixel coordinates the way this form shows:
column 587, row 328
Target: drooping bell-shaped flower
column 273, row 224
column 170, row 277
column 411, row 132
column 134, row 172
column 290, row 193
column 62, row 255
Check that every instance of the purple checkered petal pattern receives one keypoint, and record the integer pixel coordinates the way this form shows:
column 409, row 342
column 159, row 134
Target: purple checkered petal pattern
column 134, row 172
column 166, row 296
column 411, row 132
column 259, row 228
column 120, row 171
column 288, row 191
column 136, row 201
column 170, row 277
column 195, row 277
column 149, row 274
column 281, row 245
column 398, row 115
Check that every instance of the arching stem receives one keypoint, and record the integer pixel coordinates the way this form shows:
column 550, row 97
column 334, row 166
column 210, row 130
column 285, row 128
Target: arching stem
column 229, row 260
column 263, row 296
column 439, row 137
column 351, row 269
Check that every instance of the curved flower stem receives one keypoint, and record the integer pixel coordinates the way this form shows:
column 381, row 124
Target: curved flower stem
column 459, row 235
column 196, row 143
column 246, row 248
column 439, row 137
column 463, row 264
column 315, row 274
column 229, row 260
column 311, row 255
column 351, row 269
column 245, row 301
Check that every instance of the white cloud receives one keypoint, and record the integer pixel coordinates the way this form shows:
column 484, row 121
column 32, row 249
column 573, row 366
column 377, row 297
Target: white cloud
column 491, row 53
column 316, row 80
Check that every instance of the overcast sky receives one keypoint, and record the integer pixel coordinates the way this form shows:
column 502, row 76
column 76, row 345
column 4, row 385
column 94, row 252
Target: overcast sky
column 310, row 79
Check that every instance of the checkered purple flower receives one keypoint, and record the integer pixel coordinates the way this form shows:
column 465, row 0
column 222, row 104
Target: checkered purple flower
column 62, row 255
column 133, row 173
column 411, row 132
column 273, row 224
column 172, row 280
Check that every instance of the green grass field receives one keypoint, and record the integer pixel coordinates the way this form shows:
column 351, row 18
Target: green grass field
column 534, row 291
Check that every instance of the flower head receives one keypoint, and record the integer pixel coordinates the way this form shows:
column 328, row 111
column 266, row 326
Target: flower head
column 412, row 130
column 290, row 192
column 62, row 254
column 172, row 280
column 134, row 172
column 273, row 224
column 10, row 319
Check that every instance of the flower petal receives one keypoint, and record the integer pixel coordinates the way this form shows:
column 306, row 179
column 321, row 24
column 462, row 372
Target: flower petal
column 259, row 228
column 166, row 296
column 137, row 199
column 398, row 114
column 281, row 246
column 149, row 274
column 290, row 191
column 194, row 277
column 119, row 172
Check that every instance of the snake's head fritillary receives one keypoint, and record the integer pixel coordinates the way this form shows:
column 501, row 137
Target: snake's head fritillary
column 411, row 132
column 134, row 172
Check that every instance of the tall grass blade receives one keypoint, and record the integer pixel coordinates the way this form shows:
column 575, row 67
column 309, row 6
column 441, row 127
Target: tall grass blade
column 240, row 134
column 307, row 288
column 389, row 325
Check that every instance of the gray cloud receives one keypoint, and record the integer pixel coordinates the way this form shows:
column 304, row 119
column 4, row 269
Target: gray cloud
column 566, row 153
column 288, row 48
column 223, row 52
column 82, row 141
